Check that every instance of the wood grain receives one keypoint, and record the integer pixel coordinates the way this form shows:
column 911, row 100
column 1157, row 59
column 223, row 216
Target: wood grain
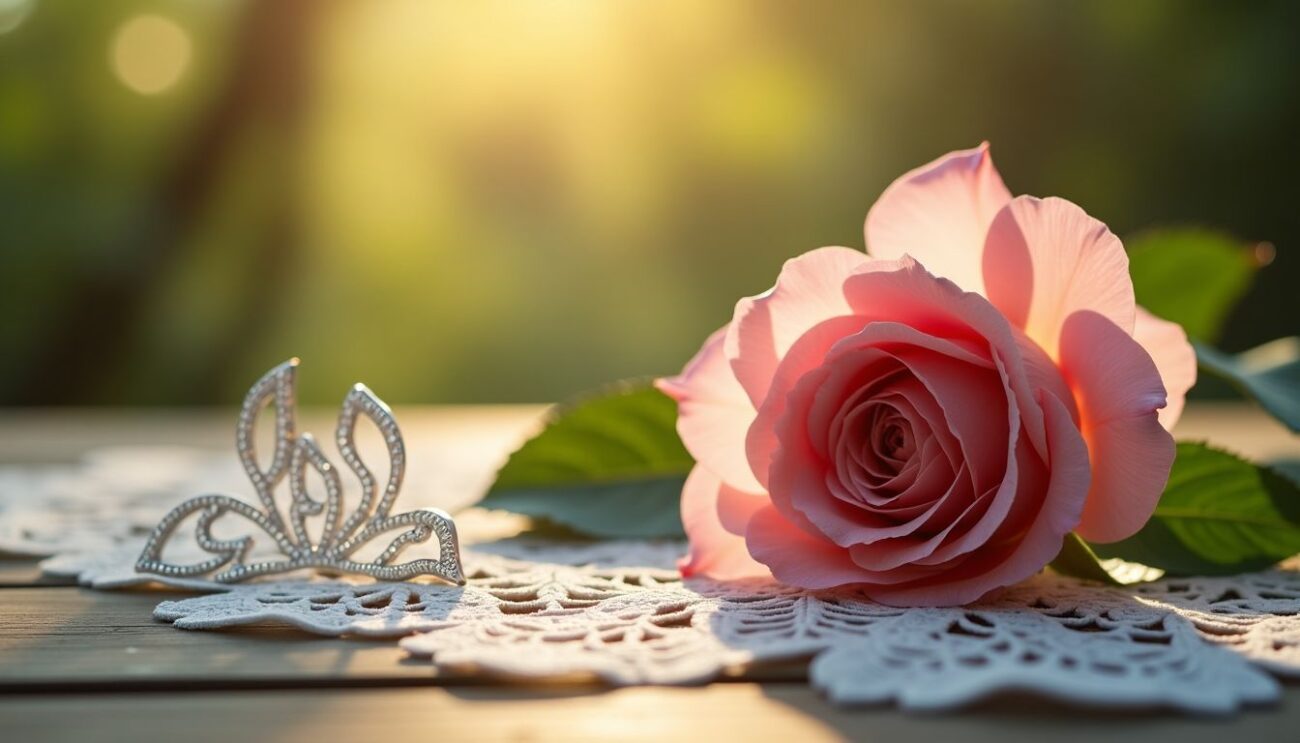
column 76, row 638
column 721, row 712
column 22, row 572
column 61, row 638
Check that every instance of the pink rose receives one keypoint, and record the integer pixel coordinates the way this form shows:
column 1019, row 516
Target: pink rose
column 928, row 422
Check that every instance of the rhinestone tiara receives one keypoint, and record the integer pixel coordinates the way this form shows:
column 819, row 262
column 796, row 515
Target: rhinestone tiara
column 340, row 537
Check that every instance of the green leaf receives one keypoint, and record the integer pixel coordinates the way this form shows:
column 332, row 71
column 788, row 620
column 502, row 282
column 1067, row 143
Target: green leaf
column 1191, row 276
column 608, row 465
column 1269, row 373
column 1219, row 515
column 1079, row 561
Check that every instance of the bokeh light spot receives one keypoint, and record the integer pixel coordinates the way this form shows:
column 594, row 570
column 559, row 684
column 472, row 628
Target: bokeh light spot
column 150, row 53
column 13, row 13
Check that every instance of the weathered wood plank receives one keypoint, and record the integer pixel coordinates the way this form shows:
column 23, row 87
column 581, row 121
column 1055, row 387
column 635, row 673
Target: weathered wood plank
column 20, row 572
column 77, row 638
column 735, row 711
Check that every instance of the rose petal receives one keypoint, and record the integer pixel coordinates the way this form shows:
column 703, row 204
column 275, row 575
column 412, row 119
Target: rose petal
column 713, row 414
column 908, row 492
column 939, row 214
column 1030, row 483
column 797, row 471
column 798, row 484
column 970, row 525
column 928, row 474
column 1046, row 259
column 988, row 570
column 808, row 292
column 1119, row 392
column 910, row 295
column 810, row 351
column 912, row 395
column 795, row 557
column 896, row 551
column 879, row 479
column 858, row 465
column 735, row 507
column 1043, row 374
column 1174, row 357
column 975, row 404
column 931, row 479
column 827, row 425
column 715, row 552
column 807, row 355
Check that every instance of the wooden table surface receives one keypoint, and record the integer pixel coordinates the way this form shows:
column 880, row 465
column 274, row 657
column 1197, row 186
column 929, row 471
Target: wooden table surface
column 77, row 664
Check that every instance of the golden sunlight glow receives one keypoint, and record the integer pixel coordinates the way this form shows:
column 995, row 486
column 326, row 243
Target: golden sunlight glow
column 12, row 14
column 150, row 53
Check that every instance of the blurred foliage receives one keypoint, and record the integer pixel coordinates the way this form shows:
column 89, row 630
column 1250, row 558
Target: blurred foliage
column 1193, row 277
column 498, row 201
column 1268, row 374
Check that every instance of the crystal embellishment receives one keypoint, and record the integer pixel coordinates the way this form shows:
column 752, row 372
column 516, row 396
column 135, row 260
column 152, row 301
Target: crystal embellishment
column 341, row 536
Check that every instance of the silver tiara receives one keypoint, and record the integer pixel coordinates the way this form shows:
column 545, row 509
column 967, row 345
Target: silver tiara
column 340, row 537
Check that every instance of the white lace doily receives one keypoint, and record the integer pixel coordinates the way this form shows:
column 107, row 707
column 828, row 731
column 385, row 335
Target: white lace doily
column 620, row 612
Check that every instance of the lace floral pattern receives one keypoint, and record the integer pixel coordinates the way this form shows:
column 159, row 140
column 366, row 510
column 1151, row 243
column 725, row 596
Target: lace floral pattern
column 620, row 612
column 1055, row 636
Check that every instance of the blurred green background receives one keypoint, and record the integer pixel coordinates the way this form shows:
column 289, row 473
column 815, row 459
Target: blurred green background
column 514, row 201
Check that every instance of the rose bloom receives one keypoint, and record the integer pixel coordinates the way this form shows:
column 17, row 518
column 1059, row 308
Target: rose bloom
column 928, row 422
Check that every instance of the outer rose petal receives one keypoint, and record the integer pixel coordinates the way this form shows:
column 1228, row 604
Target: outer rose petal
column 1174, row 358
column 1119, row 392
column 713, row 413
column 715, row 552
column 796, row 557
column 808, row 291
column 939, row 214
column 1046, row 259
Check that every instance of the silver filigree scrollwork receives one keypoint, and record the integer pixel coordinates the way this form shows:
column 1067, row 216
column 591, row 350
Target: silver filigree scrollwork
column 340, row 537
